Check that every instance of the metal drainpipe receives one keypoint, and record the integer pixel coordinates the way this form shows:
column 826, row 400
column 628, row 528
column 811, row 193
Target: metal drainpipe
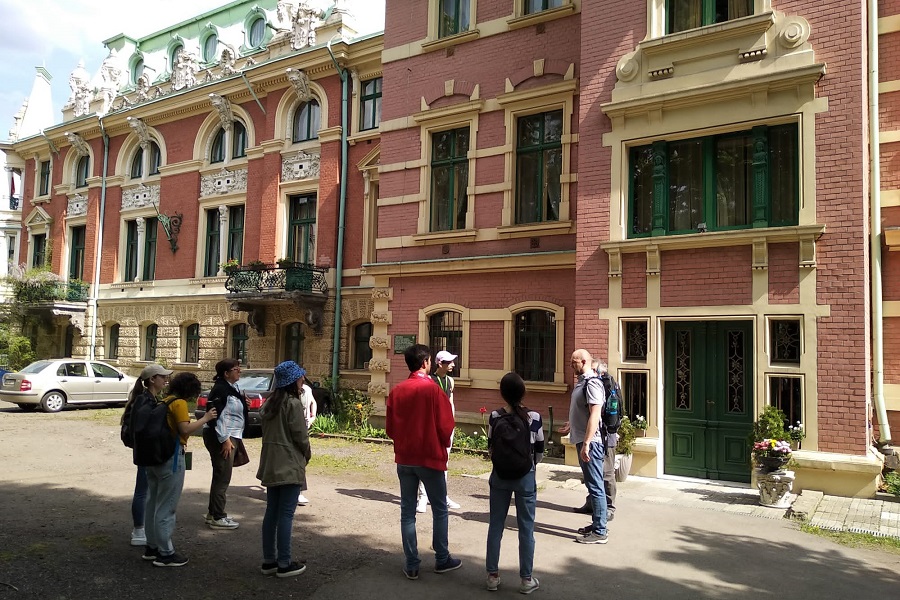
column 336, row 340
column 875, row 207
column 95, row 285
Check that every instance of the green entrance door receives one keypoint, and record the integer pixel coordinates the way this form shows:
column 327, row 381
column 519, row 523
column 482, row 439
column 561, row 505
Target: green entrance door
column 709, row 399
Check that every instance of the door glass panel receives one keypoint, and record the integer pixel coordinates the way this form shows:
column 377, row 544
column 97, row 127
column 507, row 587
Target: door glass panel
column 736, row 369
column 683, row 370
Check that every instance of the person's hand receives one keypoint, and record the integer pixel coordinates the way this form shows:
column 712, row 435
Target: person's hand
column 210, row 415
column 585, row 457
column 227, row 447
column 564, row 429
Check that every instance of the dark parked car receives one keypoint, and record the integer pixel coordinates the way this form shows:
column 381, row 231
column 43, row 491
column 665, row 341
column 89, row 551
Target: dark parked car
column 258, row 384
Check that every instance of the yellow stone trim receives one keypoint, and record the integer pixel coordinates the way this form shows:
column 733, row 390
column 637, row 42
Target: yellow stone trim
column 396, row 200
column 478, row 264
column 890, row 198
column 891, row 308
column 452, row 40
column 716, row 239
column 330, row 134
column 889, row 86
column 535, row 229
column 445, row 237
column 892, row 396
column 465, row 110
column 520, row 19
column 889, row 24
column 887, row 137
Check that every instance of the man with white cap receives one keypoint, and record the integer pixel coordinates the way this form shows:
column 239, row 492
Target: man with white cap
column 445, row 365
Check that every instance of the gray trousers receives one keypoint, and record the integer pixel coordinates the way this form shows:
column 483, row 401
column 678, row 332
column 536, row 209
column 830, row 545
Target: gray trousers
column 221, row 473
column 165, row 483
column 609, row 481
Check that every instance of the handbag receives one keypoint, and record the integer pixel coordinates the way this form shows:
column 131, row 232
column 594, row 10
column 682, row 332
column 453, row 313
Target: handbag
column 241, row 457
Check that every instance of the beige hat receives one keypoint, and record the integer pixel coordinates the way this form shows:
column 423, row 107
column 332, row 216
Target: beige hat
column 153, row 370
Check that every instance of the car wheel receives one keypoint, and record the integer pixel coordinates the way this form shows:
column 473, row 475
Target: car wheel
column 28, row 407
column 53, row 401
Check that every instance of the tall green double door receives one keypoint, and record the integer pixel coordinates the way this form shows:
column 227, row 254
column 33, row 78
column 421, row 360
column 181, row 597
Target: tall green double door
column 708, row 399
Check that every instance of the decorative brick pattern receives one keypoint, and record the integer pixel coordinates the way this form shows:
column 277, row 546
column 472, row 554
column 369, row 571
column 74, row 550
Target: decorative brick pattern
column 784, row 274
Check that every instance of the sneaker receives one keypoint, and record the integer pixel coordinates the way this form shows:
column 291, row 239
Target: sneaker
column 451, row 564
column 493, row 581
column 208, row 518
column 138, row 537
column 591, row 538
column 172, row 560
column 451, row 504
column 414, row 574
column 586, row 529
column 529, row 585
column 302, row 500
column 610, row 515
column 150, row 553
column 224, row 523
column 421, row 504
column 269, row 568
column 292, row 570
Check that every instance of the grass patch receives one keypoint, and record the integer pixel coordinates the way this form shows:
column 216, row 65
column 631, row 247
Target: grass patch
column 323, row 464
column 101, row 415
column 38, row 550
column 6, row 556
column 855, row 540
column 95, row 542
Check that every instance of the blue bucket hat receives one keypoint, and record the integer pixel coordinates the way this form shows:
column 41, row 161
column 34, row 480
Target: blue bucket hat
column 287, row 373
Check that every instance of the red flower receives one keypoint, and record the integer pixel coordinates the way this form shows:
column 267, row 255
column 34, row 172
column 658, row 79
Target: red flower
column 483, row 410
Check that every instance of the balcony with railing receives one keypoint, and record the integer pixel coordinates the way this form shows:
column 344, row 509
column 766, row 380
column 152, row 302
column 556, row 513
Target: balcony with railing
column 50, row 292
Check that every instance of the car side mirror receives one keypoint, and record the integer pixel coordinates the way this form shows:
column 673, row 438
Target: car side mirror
column 121, row 377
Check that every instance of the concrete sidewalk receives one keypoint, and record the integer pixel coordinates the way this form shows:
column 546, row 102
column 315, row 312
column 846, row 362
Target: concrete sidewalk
column 880, row 517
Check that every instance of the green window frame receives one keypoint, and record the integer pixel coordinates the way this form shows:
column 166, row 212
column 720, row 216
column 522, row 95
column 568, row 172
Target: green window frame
column 539, row 167
column 239, row 337
column 740, row 180
column 535, row 345
column 235, row 244
column 449, row 179
column 150, row 342
column 150, row 235
column 213, row 234
column 306, row 122
column 445, row 332
column 536, row 6
column 453, row 17
column 112, row 344
column 682, row 15
column 82, row 171
column 155, row 159
column 39, row 250
column 302, row 228
column 293, row 342
column 131, row 253
column 217, row 151
column 44, row 187
column 76, row 252
column 370, row 104
column 238, row 140
column 362, row 353
column 192, row 343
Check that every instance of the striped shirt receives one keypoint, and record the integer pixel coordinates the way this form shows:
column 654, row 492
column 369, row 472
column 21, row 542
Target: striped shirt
column 536, row 427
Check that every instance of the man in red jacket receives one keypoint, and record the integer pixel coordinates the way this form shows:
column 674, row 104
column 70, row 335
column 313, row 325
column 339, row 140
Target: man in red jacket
column 420, row 421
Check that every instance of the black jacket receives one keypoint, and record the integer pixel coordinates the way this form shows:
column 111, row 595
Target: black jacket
column 218, row 398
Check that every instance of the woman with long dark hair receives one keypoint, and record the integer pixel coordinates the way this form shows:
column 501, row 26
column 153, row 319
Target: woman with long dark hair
column 282, row 467
column 221, row 436
column 512, row 389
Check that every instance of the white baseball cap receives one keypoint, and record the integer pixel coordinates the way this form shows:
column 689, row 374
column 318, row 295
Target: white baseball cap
column 444, row 356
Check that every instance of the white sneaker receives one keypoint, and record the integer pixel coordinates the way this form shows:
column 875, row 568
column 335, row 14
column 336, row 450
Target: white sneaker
column 493, row 582
column 421, row 504
column 138, row 537
column 224, row 523
column 529, row 585
column 302, row 500
column 451, row 504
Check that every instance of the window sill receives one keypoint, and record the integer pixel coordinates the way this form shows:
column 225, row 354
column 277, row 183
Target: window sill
column 204, row 281
column 709, row 34
column 452, row 40
column 364, row 135
column 445, row 237
column 186, row 366
column 543, row 16
column 40, row 200
column 546, row 386
column 123, row 285
column 533, row 229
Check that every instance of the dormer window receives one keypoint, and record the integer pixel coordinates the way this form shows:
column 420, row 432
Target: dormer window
column 173, row 56
column 210, row 44
column 257, row 32
column 682, row 15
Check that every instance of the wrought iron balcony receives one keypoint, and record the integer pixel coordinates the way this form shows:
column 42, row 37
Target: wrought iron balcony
column 296, row 277
column 50, row 291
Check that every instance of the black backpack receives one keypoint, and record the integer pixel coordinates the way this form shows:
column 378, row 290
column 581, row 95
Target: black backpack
column 511, row 450
column 613, row 408
column 154, row 441
column 127, row 434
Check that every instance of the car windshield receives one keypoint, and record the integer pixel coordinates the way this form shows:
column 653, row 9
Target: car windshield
column 36, row 367
column 255, row 382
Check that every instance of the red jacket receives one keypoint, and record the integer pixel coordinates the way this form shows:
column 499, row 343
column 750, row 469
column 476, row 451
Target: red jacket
column 420, row 421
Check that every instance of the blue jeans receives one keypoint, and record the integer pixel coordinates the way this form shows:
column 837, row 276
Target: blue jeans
column 281, row 502
column 165, row 483
column 502, row 490
column 436, row 488
column 139, row 500
column 593, row 480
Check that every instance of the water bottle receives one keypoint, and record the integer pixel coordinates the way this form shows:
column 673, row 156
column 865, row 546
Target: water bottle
column 611, row 415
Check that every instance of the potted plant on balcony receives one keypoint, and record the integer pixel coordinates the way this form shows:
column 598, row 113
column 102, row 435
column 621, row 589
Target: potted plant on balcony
column 257, row 265
column 230, row 266
column 285, row 263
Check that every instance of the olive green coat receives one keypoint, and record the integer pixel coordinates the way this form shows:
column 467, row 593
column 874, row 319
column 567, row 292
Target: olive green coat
column 285, row 445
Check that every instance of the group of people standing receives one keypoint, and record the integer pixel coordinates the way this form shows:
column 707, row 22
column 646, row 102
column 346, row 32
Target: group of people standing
column 285, row 418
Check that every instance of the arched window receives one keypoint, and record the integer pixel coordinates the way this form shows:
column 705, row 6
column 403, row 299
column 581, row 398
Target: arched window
column 192, row 343
column 239, row 140
column 306, row 122
column 445, row 333
column 236, row 139
column 239, row 343
column 257, row 32
column 150, row 339
column 362, row 353
column 137, row 164
column 155, row 159
column 148, row 162
column 217, row 153
column 293, row 342
column 210, row 45
column 112, row 342
column 535, row 345
column 82, row 171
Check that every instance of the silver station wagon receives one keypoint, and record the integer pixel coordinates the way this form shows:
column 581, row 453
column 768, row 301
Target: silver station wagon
column 51, row 384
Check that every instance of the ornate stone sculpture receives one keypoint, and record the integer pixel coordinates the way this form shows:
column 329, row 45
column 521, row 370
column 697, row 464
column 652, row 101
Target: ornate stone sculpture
column 77, row 206
column 184, row 70
column 284, row 14
column 226, row 62
column 78, row 144
column 110, row 79
column 221, row 104
column 378, row 342
column 223, row 182
column 80, row 98
column 142, row 88
column 302, row 165
column 303, row 32
column 300, row 80
column 775, row 488
column 140, row 196
column 378, row 389
column 142, row 131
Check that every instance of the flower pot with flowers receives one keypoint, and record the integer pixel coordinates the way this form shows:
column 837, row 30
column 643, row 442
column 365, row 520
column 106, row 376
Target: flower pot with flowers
column 230, row 266
column 640, row 425
column 771, row 452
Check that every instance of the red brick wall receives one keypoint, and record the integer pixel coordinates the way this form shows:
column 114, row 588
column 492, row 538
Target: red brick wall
column 406, row 20
column 890, row 259
column 178, row 193
column 634, row 280
column 890, row 166
column 487, row 351
column 784, row 275
column 892, row 350
column 889, row 56
column 887, row 8
column 702, row 278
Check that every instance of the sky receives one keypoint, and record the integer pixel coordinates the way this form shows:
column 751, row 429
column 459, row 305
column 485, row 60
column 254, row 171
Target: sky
column 56, row 34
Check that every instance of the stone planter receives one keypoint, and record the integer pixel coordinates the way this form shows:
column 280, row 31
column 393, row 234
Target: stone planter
column 775, row 488
column 772, row 464
column 623, row 466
